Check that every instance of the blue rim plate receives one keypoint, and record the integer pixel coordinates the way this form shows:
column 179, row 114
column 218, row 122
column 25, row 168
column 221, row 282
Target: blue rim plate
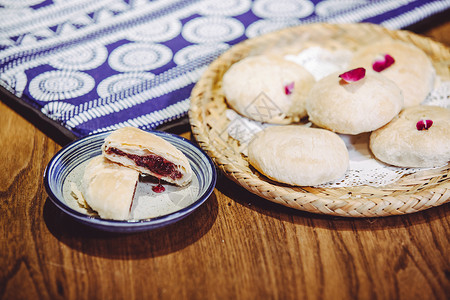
column 79, row 151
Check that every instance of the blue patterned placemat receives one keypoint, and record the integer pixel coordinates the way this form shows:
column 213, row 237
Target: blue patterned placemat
column 97, row 65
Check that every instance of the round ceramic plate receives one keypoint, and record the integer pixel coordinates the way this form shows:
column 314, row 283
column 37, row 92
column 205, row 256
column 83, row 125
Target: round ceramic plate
column 150, row 210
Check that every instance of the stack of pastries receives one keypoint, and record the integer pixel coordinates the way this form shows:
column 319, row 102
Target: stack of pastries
column 109, row 180
column 381, row 93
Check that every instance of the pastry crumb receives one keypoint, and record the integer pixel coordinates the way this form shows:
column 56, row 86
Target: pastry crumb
column 80, row 201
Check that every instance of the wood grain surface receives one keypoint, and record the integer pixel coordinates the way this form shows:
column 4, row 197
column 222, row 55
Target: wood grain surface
column 235, row 246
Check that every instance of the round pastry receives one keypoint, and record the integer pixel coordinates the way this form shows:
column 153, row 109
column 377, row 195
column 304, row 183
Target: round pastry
column 354, row 107
column 108, row 188
column 418, row 137
column 268, row 88
column 411, row 69
column 298, row 155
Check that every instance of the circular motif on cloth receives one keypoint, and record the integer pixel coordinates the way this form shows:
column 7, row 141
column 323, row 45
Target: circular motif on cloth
column 283, row 8
column 55, row 110
column 21, row 3
column 156, row 31
column 212, row 30
column 84, row 57
column 60, row 85
column 135, row 57
column 120, row 82
column 331, row 7
column 225, row 8
column 193, row 52
column 261, row 27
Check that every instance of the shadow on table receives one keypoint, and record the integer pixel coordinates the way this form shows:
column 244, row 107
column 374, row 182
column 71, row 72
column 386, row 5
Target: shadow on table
column 286, row 214
column 153, row 243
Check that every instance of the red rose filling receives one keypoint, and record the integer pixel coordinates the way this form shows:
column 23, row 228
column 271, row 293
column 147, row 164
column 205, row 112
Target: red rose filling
column 154, row 163
column 158, row 188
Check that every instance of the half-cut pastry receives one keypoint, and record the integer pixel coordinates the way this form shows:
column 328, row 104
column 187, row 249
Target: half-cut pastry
column 108, row 188
column 149, row 154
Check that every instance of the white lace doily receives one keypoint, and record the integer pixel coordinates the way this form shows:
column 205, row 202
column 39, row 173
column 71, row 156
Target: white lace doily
column 364, row 169
column 321, row 62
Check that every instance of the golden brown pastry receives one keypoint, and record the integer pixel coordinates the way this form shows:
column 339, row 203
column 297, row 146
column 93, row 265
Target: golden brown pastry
column 419, row 137
column 268, row 88
column 298, row 155
column 148, row 154
column 412, row 70
column 108, row 188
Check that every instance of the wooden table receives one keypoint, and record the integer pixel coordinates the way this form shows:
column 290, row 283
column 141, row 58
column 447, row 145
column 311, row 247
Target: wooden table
column 235, row 246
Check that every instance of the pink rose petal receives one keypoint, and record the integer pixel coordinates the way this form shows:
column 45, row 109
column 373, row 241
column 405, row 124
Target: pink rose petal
column 353, row 75
column 384, row 63
column 289, row 88
column 424, row 124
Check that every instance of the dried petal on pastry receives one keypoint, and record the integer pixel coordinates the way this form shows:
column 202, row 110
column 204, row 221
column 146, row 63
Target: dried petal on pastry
column 108, row 188
column 289, row 88
column 353, row 75
column 148, row 154
column 424, row 124
column 383, row 63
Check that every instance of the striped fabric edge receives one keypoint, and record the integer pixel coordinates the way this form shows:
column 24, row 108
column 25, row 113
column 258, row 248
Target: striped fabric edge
column 154, row 119
column 418, row 14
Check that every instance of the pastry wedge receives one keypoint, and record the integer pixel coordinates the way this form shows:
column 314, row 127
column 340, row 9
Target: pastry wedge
column 108, row 188
column 147, row 154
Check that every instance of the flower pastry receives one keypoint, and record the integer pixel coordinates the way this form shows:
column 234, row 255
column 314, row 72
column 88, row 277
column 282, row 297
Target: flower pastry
column 147, row 154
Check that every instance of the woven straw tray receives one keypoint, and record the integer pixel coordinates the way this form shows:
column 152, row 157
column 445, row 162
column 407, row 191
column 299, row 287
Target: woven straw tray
column 412, row 193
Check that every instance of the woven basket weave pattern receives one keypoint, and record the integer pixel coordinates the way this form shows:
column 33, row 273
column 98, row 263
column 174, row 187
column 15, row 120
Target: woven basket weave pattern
column 410, row 194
